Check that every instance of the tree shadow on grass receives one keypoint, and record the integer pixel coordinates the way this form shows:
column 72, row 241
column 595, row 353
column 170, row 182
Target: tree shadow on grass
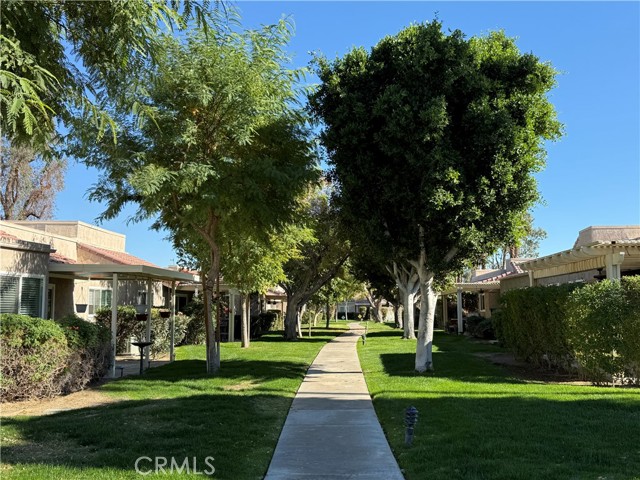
column 87, row 441
column 514, row 436
column 453, row 366
column 255, row 371
column 317, row 335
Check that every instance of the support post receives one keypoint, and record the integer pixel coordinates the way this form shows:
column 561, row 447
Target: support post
column 459, row 305
column 114, row 323
column 612, row 264
column 172, row 353
column 532, row 280
column 148, row 332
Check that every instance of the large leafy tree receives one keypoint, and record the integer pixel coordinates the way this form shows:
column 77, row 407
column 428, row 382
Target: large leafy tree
column 433, row 139
column 321, row 259
column 225, row 150
column 62, row 62
column 28, row 183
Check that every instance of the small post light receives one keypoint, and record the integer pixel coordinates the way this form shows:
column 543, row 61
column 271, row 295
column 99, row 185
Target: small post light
column 410, row 420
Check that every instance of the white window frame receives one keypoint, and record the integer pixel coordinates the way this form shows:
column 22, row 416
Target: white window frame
column 92, row 315
column 43, row 292
column 482, row 305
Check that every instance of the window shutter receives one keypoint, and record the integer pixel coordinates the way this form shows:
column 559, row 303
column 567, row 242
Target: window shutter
column 9, row 294
column 31, row 297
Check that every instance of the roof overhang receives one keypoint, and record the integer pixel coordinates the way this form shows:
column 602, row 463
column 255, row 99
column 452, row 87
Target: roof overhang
column 582, row 253
column 125, row 272
column 476, row 287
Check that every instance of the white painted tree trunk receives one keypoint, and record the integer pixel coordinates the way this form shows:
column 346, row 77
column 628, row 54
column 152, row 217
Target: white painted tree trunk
column 409, row 300
column 424, row 346
column 244, row 323
column 408, row 283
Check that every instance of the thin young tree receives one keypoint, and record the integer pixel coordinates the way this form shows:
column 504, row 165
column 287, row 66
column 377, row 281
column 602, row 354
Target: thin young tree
column 226, row 144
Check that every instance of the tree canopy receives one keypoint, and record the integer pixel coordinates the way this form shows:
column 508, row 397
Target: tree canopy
column 64, row 61
column 226, row 149
column 433, row 139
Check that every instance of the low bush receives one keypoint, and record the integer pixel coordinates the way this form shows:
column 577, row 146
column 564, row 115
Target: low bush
column 262, row 323
column 34, row 355
column 604, row 330
column 127, row 325
column 480, row 327
column 89, row 356
column 43, row 358
column 161, row 331
column 195, row 333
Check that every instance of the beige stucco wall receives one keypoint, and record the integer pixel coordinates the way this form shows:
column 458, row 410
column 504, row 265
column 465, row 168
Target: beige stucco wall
column 80, row 231
column 594, row 234
column 19, row 261
column 514, row 281
column 100, row 237
column 24, row 231
column 62, row 297
column 491, row 300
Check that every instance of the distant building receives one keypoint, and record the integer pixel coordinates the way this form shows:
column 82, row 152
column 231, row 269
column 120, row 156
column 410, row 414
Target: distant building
column 599, row 252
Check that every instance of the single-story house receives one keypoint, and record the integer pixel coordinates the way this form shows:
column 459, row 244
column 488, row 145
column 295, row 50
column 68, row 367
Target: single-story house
column 599, row 252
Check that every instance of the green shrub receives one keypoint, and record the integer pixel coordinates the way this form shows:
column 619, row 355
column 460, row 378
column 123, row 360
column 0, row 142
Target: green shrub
column 90, row 355
column 533, row 323
column 262, row 323
column 480, row 327
column 195, row 333
column 604, row 330
column 161, row 331
column 127, row 325
column 34, row 355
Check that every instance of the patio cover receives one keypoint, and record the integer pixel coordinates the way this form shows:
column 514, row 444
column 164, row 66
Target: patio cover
column 115, row 273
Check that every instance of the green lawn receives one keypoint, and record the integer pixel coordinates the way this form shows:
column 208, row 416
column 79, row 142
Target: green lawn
column 174, row 410
column 478, row 422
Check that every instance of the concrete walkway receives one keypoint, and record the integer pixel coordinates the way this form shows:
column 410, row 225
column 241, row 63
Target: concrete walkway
column 332, row 430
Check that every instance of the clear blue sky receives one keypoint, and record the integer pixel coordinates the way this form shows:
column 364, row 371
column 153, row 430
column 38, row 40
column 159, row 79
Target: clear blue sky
column 593, row 173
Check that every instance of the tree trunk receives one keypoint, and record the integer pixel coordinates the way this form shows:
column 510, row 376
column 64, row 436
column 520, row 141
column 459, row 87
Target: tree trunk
column 244, row 322
column 299, row 316
column 396, row 315
column 408, row 282
column 328, row 313
column 375, row 305
column 408, row 303
column 208, row 321
column 291, row 318
column 424, row 347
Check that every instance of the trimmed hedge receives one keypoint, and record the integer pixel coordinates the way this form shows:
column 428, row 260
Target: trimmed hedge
column 43, row 358
column 533, row 323
column 604, row 330
column 593, row 328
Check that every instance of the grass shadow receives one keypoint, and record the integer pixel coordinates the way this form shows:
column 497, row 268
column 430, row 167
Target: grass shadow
column 91, row 441
column 515, row 437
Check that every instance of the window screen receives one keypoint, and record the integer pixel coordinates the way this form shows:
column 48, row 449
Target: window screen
column 9, row 287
